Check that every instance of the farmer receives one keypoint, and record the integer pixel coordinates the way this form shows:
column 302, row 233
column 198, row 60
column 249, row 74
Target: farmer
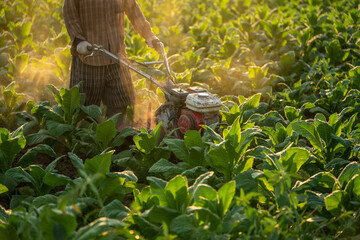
column 102, row 22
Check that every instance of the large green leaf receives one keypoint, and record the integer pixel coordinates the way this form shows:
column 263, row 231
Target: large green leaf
column 336, row 163
column 204, row 193
column 185, row 226
column 129, row 176
column 193, row 139
column 8, row 231
column 245, row 165
column 157, row 187
column 325, row 131
column 141, row 199
column 145, row 142
column 308, row 131
column 105, row 132
column 334, row 202
column 293, row 158
column 233, row 136
column 20, row 175
column 347, row 126
column 55, row 179
column 112, row 187
column 287, row 60
column 70, row 101
column 226, row 194
column 92, row 111
column 164, row 166
column 10, row 146
column 48, row 112
column 3, row 189
column 334, row 52
column 125, row 132
column 246, row 138
column 30, row 155
column 346, row 143
column 222, row 158
column 253, row 181
column 37, row 173
column 348, row 173
column 252, row 102
column 157, row 133
column 98, row 164
column 281, row 133
column 101, row 227
column 20, row 201
column 202, row 179
column 146, row 228
column 44, row 200
column 291, row 113
column 178, row 188
column 356, row 187
column 322, row 180
column 76, row 161
column 159, row 214
column 21, row 62
column 197, row 157
column 25, row 28
column 229, row 117
column 55, row 92
column 38, row 138
column 57, row 129
column 315, row 200
column 178, row 147
column 259, row 152
column 115, row 210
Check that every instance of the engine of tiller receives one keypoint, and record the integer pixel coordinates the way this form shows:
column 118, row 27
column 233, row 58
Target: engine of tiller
column 187, row 110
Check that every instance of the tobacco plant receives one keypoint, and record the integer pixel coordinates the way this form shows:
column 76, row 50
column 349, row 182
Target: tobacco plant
column 282, row 164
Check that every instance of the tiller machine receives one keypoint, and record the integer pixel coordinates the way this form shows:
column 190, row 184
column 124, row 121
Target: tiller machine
column 184, row 109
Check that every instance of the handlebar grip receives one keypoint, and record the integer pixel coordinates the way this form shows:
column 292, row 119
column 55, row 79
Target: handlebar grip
column 90, row 48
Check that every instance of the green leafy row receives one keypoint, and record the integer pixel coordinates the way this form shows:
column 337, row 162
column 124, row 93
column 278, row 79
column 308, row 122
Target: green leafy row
column 301, row 173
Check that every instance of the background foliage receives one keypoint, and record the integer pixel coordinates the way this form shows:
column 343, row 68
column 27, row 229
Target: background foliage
column 285, row 164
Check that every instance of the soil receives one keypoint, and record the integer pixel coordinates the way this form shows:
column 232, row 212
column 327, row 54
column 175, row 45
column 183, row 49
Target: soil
column 63, row 166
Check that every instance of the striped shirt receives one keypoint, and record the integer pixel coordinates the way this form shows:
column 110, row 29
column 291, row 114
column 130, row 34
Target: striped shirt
column 102, row 22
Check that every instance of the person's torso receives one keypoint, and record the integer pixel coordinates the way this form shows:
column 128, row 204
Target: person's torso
column 102, row 22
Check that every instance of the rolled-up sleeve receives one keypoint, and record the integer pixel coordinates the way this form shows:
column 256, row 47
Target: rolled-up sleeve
column 72, row 20
column 137, row 19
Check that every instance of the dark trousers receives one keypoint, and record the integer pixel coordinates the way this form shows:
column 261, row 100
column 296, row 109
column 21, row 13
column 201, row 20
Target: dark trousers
column 101, row 84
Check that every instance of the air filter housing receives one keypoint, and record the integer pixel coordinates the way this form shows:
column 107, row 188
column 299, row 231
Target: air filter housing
column 203, row 102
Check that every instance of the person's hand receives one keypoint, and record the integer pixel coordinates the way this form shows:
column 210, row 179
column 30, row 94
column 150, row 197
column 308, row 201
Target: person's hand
column 155, row 43
column 83, row 47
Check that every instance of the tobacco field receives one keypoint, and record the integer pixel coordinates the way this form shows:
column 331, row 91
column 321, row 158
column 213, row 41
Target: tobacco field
column 284, row 165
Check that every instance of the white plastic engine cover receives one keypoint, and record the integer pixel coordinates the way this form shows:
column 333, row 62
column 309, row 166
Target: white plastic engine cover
column 203, row 102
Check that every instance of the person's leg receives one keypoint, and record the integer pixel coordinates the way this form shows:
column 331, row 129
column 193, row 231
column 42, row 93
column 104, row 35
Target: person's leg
column 90, row 80
column 115, row 96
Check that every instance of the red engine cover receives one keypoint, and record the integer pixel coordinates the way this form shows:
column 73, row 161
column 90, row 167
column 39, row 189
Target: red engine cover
column 190, row 120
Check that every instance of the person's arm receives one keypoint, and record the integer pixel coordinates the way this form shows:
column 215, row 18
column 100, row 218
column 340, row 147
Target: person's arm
column 141, row 25
column 72, row 23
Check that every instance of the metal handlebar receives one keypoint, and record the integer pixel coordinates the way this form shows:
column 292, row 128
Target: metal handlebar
column 168, row 72
column 98, row 48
